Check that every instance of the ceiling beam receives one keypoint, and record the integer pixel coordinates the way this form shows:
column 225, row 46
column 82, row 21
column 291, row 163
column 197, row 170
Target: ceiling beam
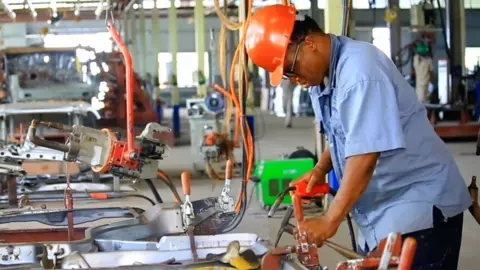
column 44, row 15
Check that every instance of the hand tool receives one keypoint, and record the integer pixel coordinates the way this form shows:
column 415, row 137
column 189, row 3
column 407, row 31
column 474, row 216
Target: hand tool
column 188, row 214
column 300, row 189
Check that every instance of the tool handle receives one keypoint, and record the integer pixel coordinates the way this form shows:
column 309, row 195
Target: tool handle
column 301, row 189
column 229, row 169
column 186, row 183
column 99, row 196
column 408, row 253
column 297, row 207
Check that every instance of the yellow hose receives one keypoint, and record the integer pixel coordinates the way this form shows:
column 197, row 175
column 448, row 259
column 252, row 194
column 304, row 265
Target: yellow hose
column 224, row 17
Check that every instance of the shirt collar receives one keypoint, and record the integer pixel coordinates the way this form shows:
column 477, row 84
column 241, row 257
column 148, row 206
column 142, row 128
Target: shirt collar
column 334, row 55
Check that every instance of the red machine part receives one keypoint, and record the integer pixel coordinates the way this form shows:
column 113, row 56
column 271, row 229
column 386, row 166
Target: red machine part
column 118, row 155
column 126, row 100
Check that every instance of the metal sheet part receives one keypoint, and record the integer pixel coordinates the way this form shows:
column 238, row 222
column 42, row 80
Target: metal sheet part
column 168, row 247
column 48, row 107
column 80, row 216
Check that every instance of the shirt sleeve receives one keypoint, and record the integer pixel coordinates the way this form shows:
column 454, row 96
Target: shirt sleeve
column 370, row 118
column 430, row 65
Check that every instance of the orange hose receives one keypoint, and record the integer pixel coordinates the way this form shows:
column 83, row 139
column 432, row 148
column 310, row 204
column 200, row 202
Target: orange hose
column 129, row 81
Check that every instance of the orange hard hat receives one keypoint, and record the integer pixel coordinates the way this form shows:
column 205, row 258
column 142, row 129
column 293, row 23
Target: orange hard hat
column 267, row 38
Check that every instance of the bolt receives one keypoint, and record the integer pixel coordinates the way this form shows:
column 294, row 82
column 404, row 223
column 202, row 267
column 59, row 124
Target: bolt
column 43, row 206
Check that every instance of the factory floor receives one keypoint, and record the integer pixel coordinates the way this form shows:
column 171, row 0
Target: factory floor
column 276, row 140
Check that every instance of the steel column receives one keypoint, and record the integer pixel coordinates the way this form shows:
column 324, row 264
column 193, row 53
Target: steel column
column 156, row 45
column 200, row 45
column 332, row 14
column 455, row 30
column 395, row 33
column 143, row 41
column 314, row 10
column 126, row 32
column 173, row 39
column 133, row 31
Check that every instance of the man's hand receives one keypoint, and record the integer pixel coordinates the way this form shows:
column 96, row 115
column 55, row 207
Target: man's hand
column 313, row 177
column 319, row 229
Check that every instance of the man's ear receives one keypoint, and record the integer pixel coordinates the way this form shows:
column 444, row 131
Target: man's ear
column 309, row 42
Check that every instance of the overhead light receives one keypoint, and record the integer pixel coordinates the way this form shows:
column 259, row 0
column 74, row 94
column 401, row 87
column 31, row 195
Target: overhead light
column 99, row 10
column 32, row 8
column 53, row 6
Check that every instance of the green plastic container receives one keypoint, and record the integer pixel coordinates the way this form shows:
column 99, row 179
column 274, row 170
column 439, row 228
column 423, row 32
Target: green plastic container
column 275, row 176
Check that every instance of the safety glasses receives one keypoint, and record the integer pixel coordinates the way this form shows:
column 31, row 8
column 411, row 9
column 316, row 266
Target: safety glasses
column 291, row 73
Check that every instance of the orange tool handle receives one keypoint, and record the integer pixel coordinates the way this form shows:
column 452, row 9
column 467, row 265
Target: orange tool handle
column 186, row 183
column 229, row 169
column 297, row 207
column 99, row 196
column 301, row 189
column 408, row 253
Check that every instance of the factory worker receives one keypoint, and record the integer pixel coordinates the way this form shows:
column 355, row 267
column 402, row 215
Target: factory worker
column 396, row 174
column 423, row 66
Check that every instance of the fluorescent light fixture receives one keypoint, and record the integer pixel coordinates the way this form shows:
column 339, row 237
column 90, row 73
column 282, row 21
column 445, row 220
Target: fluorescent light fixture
column 99, row 10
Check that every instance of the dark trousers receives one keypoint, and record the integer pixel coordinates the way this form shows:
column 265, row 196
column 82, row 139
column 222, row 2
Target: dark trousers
column 438, row 248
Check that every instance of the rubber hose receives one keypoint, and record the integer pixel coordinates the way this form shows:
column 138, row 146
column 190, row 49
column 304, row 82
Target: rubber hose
column 139, row 196
column 154, row 190
column 171, row 186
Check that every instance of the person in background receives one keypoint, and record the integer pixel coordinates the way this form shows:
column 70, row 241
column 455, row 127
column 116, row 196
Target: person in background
column 288, row 88
column 148, row 84
column 423, row 66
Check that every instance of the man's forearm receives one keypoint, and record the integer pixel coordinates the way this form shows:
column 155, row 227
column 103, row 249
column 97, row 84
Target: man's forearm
column 324, row 163
column 358, row 172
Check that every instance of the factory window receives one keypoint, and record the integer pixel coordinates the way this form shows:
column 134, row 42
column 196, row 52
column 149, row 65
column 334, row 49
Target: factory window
column 187, row 64
column 472, row 58
column 381, row 39
column 99, row 41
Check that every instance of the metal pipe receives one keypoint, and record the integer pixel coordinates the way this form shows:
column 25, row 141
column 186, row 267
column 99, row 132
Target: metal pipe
column 347, row 253
column 129, row 85
column 41, row 142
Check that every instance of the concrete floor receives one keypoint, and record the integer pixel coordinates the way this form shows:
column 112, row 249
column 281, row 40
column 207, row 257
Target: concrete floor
column 276, row 140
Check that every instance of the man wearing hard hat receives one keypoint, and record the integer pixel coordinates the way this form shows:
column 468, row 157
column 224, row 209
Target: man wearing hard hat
column 396, row 174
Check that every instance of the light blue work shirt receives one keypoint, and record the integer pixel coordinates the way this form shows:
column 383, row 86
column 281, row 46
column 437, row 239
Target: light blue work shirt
column 369, row 107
